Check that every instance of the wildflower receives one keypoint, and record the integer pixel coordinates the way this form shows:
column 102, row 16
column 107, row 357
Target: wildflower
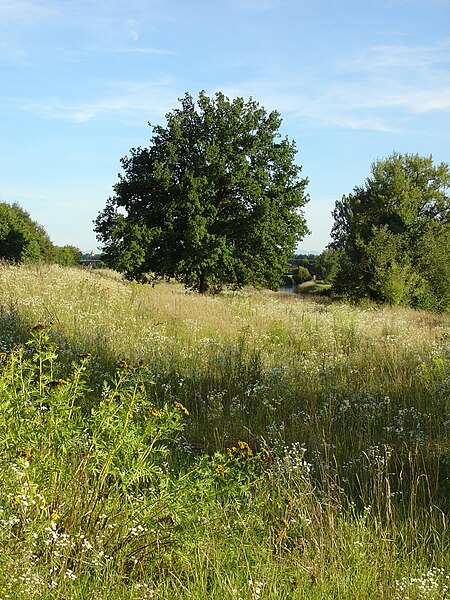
column 257, row 587
column 220, row 470
column 55, row 516
column 182, row 408
column 265, row 456
column 124, row 365
column 140, row 387
column 155, row 412
column 245, row 448
column 70, row 574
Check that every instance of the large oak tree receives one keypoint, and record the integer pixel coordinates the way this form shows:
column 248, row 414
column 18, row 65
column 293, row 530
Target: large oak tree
column 215, row 200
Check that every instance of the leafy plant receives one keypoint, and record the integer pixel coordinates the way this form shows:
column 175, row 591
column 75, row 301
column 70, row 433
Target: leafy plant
column 73, row 484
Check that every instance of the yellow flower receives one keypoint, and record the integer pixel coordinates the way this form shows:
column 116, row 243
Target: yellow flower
column 220, row 470
column 26, row 453
column 245, row 448
column 155, row 412
column 182, row 408
column 124, row 365
column 55, row 516
column 265, row 456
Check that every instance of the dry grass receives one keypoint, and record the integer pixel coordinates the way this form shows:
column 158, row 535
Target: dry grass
column 353, row 401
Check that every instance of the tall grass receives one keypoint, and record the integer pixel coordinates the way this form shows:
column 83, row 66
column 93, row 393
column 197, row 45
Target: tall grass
column 338, row 488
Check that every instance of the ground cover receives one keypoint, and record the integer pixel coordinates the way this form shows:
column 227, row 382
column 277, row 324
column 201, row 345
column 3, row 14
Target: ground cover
column 160, row 444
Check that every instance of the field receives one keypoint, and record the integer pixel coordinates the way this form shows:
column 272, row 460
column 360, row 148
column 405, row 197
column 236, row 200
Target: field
column 252, row 445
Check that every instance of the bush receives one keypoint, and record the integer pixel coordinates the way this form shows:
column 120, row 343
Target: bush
column 301, row 275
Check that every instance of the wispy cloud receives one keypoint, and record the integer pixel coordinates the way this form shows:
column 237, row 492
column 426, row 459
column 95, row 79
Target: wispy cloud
column 380, row 104
column 382, row 90
column 130, row 101
column 400, row 56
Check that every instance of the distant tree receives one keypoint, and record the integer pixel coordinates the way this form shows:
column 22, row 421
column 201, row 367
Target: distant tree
column 67, row 256
column 215, row 200
column 301, row 275
column 304, row 262
column 326, row 265
column 394, row 234
column 21, row 238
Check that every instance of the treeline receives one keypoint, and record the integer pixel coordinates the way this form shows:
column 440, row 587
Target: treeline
column 217, row 201
column 391, row 238
column 22, row 240
column 306, row 267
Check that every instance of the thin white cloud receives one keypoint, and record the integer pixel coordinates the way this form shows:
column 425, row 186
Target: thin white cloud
column 373, row 103
column 133, row 102
column 400, row 56
column 379, row 104
column 26, row 10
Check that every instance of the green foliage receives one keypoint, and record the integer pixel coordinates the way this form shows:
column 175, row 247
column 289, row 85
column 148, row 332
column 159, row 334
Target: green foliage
column 21, row 239
column 67, row 256
column 72, row 483
column 24, row 240
column 301, row 275
column 326, row 265
column 215, row 200
column 394, row 234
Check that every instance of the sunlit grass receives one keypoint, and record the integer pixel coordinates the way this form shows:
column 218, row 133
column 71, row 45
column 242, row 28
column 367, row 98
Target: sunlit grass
column 351, row 402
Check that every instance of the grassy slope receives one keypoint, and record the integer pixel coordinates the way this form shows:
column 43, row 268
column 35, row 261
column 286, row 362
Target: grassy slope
column 357, row 396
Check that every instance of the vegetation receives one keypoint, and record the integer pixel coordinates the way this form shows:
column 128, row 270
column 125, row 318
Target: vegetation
column 326, row 265
column 301, row 274
column 24, row 240
column 21, row 239
column 394, row 235
column 66, row 256
column 215, row 200
column 313, row 462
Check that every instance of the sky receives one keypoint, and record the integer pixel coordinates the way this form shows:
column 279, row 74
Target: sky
column 353, row 80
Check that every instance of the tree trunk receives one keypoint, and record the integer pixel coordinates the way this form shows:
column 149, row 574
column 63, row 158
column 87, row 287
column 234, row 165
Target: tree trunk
column 203, row 286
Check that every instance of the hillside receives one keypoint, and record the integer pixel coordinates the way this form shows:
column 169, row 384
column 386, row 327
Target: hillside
column 313, row 462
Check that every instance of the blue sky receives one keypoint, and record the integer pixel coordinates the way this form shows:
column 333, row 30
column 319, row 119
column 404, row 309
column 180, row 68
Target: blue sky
column 79, row 80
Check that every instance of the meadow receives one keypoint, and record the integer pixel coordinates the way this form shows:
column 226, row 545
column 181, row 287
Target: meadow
column 155, row 443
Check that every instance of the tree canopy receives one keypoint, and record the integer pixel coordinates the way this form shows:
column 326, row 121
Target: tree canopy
column 215, row 200
column 24, row 240
column 21, row 238
column 394, row 234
